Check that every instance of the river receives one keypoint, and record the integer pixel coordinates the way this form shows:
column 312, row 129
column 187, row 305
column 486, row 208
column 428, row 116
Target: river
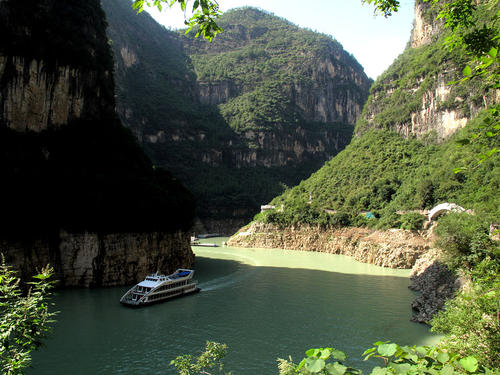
column 263, row 304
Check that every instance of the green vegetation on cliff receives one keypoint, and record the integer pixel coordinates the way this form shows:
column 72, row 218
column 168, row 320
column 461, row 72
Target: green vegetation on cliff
column 384, row 173
column 237, row 110
column 269, row 59
column 40, row 30
column 417, row 84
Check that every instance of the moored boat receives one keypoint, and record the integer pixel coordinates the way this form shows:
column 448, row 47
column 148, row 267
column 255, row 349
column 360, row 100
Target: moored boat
column 156, row 288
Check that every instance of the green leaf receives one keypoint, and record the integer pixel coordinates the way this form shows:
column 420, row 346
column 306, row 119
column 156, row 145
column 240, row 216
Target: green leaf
column 387, row 350
column 312, row 352
column 379, row 371
column 336, row 368
column 493, row 52
column 301, row 364
column 469, row 364
column 422, row 350
column 368, row 351
column 339, row 355
column 447, row 370
column 400, row 368
column 467, row 71
column 443, row 357
column 325, row 353
column 314, row 365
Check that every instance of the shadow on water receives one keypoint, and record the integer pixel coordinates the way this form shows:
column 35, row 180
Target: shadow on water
column 260, row 312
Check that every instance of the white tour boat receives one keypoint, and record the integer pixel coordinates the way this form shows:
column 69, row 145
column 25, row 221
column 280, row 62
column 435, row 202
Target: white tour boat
column 156, row 288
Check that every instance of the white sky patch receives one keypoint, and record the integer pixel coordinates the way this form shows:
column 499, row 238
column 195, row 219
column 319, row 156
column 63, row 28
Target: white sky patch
column 374, row 41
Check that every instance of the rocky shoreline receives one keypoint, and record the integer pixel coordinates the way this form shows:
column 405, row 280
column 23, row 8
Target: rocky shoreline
column 94, row 260
column 394, row 248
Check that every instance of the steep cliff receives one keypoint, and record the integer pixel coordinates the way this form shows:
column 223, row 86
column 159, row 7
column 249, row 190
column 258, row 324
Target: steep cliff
column 93, row 259
column 414, row 96
column 227, row 117
column 68, row 165
column 55, row 64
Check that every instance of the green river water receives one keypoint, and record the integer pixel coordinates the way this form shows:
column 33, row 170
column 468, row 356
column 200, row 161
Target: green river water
column 263, row 304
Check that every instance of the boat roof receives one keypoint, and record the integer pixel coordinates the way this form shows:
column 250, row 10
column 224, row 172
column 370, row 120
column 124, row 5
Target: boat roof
column 148, row 284
column 153, row 280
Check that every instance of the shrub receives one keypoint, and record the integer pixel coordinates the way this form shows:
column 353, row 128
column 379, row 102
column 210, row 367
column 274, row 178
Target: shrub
column 464, row 239
column 412, row 221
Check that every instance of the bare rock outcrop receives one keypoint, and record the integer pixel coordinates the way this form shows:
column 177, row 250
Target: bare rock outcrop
column 394, row 248
column 91, row 260
column 435, row 284
column 35, row 96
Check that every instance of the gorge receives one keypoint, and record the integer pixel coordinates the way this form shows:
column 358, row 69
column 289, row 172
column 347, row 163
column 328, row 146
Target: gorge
column 244, row 121
column 259, row 108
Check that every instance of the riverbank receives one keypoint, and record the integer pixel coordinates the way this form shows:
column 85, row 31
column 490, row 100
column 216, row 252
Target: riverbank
column 394, row 248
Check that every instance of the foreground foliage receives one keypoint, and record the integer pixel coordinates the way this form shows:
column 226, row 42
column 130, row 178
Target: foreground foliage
column 24, row 318
column 329, row 361
column 211, row 359
column 471, row 321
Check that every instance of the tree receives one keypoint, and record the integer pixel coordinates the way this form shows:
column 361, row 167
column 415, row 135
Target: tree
column 204, row 14
column 210, row 360
column 24, row 319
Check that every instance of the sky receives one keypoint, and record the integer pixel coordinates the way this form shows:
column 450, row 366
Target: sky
column 374, row 41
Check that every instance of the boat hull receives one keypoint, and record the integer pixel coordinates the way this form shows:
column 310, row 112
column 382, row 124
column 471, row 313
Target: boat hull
column 130, row 303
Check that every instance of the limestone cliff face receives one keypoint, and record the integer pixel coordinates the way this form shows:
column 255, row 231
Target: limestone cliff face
column 56, row 81
column 335, row 91
column 278, row 147
column 55, row 64
column 336, row 95
column 37, row 97
column 425, row 27
column 414, row 96
column 90, row 259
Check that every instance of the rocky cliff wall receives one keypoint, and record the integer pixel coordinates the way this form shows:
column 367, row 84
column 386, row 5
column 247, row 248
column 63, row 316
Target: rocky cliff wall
column 394, row 248
column 68, row 149
column 35, row 96
column 333, row 91
column 435, row 283
column 91, row 260
column 425, row 27
column 414, row 96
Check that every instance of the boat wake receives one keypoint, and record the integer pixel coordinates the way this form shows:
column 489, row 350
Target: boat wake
column 228, row 280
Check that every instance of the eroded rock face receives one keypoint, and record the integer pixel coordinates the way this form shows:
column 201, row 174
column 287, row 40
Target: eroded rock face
column 36, row 97
column 394, row 248
column 435, row 284
column 414, row 96
column 91, row 260
column 424, row 27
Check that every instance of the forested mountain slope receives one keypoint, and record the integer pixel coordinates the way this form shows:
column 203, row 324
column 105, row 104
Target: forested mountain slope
column 262, row 106
column 414, row 97
column 394, row 163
